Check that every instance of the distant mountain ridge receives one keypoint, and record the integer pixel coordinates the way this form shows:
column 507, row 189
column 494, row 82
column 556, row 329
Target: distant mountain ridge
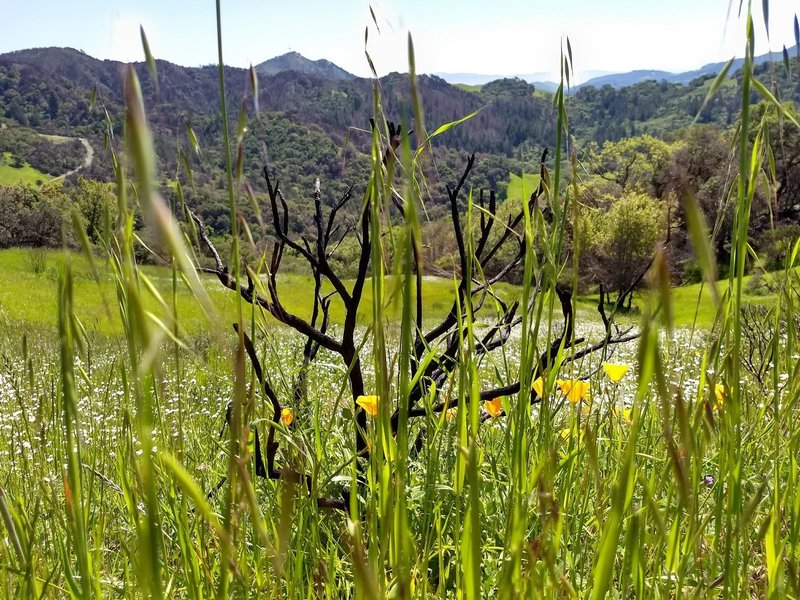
column 540, row 79
column 620, row 80
column 294, row 61
column 51, row 90
column 313, row 125
column 83, row 66
column 617, row 80
column 473, row 79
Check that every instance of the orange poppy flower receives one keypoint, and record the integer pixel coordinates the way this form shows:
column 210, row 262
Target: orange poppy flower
column 576, row 390
column 538, row 387
column 494, row 406
column 369, row 404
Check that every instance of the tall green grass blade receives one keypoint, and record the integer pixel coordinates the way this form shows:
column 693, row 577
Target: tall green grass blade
column 253, row 79
column 148, row 58
column 8, row 520
column 715, row 85
column 76, row 508
column 196, row 496
column 769, row 96
column 698, row 232
column 445, row 128
column 620, row 504
column 797, row 36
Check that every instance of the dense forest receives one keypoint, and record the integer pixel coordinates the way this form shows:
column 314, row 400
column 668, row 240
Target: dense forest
column 639, row 150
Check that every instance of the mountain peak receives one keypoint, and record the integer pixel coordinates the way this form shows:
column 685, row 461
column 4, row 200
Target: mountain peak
column 294, row 61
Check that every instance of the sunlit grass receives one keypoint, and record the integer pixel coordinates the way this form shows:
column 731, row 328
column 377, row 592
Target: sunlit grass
column 693, row 304
column 515, row 185
column 30, row 299
column 26, row 174
column 469, row 88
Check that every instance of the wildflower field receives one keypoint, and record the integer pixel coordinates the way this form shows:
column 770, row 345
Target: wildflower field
column 388, row 435
column 613, row 471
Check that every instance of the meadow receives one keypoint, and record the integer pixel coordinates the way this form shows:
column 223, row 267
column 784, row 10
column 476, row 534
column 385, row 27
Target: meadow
column 470, row 440
column 30, row 277
column 10, row 175
column 658, row 465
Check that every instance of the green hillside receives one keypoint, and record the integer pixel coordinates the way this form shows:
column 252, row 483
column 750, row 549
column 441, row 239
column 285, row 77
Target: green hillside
column 11, row 175
column 468, row 88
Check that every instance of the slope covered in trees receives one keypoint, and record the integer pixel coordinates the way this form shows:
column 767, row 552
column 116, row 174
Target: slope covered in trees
column 52, row 89
column 631, row 144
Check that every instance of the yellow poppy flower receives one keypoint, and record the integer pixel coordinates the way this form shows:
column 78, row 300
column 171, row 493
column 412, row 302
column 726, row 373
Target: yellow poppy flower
column 577, row 390
column 721, row 395
column 626, row 414
column 287, row 416
column 369, row 404
column 538, row 387
column 450, row 414
column 615, row 372
column 564, row 385
column 493, row 406
column 567, row 433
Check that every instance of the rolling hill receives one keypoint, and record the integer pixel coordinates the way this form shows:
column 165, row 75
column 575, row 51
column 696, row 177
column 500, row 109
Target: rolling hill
column 619, row 80
column 314, row 118
column 50, row 90
column 293, row 61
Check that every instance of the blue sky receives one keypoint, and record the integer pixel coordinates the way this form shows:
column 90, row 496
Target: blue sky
column 480, row 36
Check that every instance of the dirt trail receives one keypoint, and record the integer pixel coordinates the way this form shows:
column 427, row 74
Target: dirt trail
column 87, row 160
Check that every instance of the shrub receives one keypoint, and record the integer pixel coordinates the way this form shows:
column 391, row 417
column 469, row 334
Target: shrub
column 625, row 237
column 776, row 243
column 34, row 217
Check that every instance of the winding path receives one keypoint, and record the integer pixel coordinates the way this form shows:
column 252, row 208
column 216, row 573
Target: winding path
column 87, row 160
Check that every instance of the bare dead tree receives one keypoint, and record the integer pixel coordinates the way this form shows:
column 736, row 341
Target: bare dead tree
column 270, row 471
column 758, row 334
column 446, row 360
column 440, row 348
column 317, row 253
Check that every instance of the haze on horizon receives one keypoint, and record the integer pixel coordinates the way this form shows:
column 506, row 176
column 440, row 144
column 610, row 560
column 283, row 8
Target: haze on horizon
column 507, row 37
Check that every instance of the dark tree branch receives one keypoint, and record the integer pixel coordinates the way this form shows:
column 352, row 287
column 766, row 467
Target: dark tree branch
column 274, row 307
column 454, row 214
column 336, row 208
column 318, row 262
column 439, row 366
column 271, row 471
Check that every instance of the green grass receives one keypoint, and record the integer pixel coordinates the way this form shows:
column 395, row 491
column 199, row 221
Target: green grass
column 577, row 453
column 469, row 88
column 693, row 305
column 56, row 139
column 26, row 174
column 515, row 185
column 30, row 298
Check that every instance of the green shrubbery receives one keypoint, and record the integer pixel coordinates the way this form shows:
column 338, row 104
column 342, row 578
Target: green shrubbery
column 41, row 216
